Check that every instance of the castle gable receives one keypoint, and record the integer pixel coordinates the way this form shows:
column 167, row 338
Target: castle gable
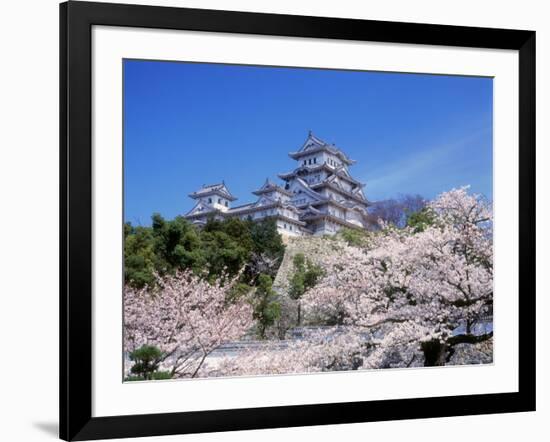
column 200, row 209
column 264, row 201
column 213, row 189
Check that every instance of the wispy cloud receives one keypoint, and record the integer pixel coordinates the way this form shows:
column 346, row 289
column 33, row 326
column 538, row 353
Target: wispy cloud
column 396, row 177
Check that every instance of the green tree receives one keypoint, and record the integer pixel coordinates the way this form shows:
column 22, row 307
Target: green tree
column 239, row 231
column 266, row 239
column 223, row 254
column 306, row 275
column 266, row 308
column 177, row 244
column 219, row 248
column 139, row 255
column 421, row 219
column 353, row 237
column 238, row 291
column 146, row 363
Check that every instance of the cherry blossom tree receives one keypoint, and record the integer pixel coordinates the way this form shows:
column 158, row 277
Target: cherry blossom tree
column 186, row 317
column 323, row 349
column 401, row 297
column 416, row 288
column 396, row 301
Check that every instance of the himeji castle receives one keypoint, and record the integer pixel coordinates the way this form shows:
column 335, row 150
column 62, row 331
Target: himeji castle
column 318, row 197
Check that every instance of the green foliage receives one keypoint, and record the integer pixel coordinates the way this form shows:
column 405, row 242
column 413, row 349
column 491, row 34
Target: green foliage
column 222, row 253
column 306, row 274
column 146, row 361
column 238, row 291
column 265, row 238
column 421, row 219
column 175, row 243
column 299, row 261
column 133, row 378
column 161, row 375
column 266, row 308
column 220, row 248
column 139, row 255
column 155, row 376
column 353, row 237
column 312, row 274
column 297, row 285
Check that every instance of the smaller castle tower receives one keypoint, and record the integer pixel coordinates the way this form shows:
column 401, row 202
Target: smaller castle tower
column 212, row 200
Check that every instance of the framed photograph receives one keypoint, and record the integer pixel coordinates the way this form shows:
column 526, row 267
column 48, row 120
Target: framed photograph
column 273, row 220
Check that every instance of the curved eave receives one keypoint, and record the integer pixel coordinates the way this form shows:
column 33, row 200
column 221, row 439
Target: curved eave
column 309, row 210
column 341, row 191
column 275, row 215
column 333, row 151
column 203, row 214
column 346, row 178
column 288, row 220
column 335, row 219
column 272, row 189
column 249, row 208
column 331, row 202
column 286, row 176
column 227, row 196
column 324, row 166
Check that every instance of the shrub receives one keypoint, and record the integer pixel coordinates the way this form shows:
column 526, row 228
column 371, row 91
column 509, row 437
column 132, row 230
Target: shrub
column 146, row 361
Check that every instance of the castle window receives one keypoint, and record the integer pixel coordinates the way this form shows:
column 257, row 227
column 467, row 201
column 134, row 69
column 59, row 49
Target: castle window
column 305, row 162
column 219, row 200
column 226, row 205
column 315, row 160
column 284, row 225
column 210, row 200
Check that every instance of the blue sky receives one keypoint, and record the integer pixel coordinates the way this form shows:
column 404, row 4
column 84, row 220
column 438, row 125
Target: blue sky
column 189, row 124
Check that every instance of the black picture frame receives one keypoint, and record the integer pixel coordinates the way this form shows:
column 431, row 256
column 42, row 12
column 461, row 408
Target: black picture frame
column 76, row 21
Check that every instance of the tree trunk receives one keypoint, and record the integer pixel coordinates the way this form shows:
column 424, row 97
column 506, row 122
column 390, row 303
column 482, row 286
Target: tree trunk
column 434, row 353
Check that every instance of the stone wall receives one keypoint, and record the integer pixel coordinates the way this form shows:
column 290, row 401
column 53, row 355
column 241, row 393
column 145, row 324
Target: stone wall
column 312, row 247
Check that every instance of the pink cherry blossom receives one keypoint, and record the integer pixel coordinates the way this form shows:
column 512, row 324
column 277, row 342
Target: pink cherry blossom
column 186, row 318
column 384, row 304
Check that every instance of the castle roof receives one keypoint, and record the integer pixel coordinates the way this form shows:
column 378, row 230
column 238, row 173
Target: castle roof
column 338, row 171
column 308, row 190
column 314, row 144
column 264, row 203
column 327, row 216
column 213, row 189
column 356, row 194
column 200, row 209
column 270, row 186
